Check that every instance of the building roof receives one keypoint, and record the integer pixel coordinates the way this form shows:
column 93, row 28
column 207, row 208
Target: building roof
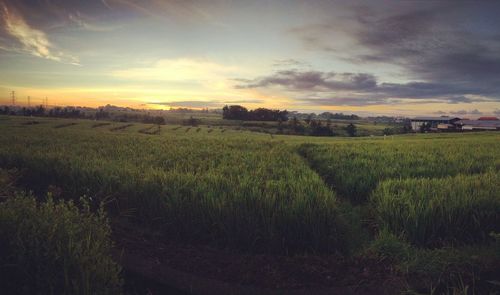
column 480, row 123
column 442, row 119
column 488, row 119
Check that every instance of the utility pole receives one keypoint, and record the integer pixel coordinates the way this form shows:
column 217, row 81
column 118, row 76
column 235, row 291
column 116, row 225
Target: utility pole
column 13, row 96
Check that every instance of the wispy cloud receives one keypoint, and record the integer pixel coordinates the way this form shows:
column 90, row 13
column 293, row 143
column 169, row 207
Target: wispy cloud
column 206, row 104
column 82, row 21
column 191, row 11
column 178, row 70
column 31, row 40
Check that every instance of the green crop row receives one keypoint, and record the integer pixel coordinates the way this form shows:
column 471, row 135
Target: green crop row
column 433, row 212
column 355, row 168
column 246, row 193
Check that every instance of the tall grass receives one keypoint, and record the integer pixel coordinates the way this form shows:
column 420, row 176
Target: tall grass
column 450, row 210
column 355, row 168
column 54, row 248
column 245, row 193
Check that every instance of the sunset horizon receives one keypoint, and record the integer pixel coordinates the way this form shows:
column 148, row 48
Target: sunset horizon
column 199, row 147
column 362, row 57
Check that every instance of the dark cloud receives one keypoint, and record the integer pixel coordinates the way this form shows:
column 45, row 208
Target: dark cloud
column 315, row 80
column 450, row 47
column 365, row 87
column 455, row 42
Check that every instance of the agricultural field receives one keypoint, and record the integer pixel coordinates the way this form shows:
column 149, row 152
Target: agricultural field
column 421, row 211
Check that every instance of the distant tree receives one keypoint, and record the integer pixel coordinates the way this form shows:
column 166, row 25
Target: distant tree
column 237, row 112
column 294, row 123
column 101, row 114
column 308, row 120
column 388, row 131
column 341, row 116
column 5, row 110
column 159, row 120
column 192, row 122
column 351, row 129
column 234, row 112
column 320, row 130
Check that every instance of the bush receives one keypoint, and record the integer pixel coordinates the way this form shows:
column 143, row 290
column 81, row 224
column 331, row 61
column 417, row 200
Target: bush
column 54, row 248
column 388, row 246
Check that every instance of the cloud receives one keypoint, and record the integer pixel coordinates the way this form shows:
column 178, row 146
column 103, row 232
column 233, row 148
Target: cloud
column 313, row 36
column 315, row 80
column 189, row 104
column 464, row 112
column 206, row 104
column 179, row 69
column 496, row 112
column 475, row 112
column 32, row 41
column 84, row 22
column 461, row 112
column 459, row 99
column 450, row 48
column 430, row 45
column 358, row 88
column 289, row 62
column 190, row 11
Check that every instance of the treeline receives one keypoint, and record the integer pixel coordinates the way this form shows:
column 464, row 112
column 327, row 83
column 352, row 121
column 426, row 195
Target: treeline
column 325, row 116
column 338, row 116
column 319, row 128
column 237, row 112
column 77, row 113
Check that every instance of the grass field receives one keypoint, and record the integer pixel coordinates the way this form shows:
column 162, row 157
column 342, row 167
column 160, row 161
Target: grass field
column 265, row 193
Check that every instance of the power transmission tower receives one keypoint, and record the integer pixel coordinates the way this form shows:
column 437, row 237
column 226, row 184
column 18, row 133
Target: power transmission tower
column 29, row 101
column 13, row 96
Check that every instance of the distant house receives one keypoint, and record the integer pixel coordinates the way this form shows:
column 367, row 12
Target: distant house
column 435, row 123
column 468, row 125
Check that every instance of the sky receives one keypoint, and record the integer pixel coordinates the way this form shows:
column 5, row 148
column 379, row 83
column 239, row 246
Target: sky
column 375, row 57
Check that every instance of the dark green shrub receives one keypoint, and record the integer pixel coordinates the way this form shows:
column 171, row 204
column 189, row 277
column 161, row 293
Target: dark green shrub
column 54, row 248
column 388, row 246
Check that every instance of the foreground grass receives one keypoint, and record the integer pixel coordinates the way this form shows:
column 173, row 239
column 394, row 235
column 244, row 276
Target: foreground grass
column 257, row 192
column 354, row 168
column 245, row 192
column 54, row 248
column 450, row 210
